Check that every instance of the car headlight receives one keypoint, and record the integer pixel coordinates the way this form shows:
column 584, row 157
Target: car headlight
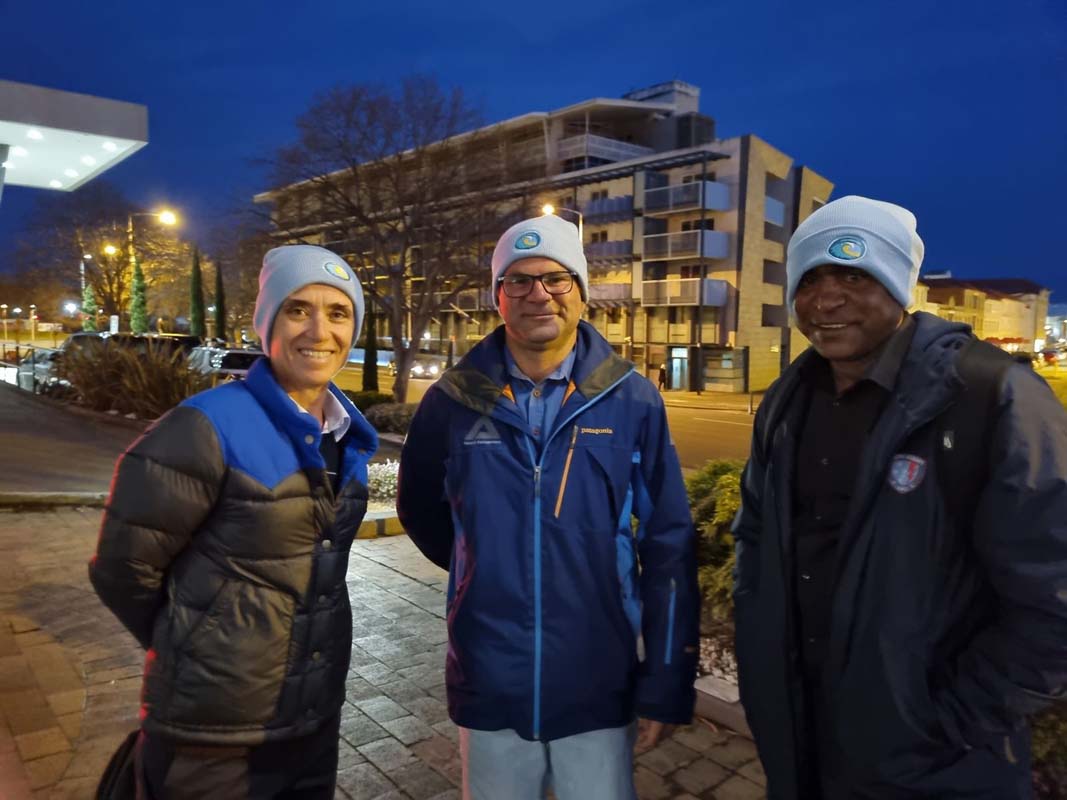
column 434, row 369
column 417, row 369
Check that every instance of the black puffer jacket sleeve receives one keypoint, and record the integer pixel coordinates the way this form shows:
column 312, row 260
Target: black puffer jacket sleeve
column 1018, row 664
column 164, row 487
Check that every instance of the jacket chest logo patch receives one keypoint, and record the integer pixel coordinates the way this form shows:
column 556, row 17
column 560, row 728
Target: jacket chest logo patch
column 906, row 472
column 482, row 432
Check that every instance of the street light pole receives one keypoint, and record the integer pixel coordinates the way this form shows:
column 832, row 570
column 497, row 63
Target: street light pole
column 3, row 315
column 81, row 269
column 548, row 208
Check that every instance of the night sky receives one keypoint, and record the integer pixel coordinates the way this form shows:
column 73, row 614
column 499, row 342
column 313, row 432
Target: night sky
column 956, row 110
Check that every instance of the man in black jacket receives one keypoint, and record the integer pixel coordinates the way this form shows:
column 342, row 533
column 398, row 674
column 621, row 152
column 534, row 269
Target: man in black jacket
column 893, row 636
column 224, row 549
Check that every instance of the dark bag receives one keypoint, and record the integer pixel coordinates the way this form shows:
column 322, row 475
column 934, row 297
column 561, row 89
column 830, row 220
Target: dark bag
column 119, row 781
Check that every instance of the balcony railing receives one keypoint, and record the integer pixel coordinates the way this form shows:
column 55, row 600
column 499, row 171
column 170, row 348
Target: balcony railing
column 589, row 144
column 523, row 152
column 609, row 208
column 711, row 195
column 686, row 244
column 621, row 249
column 468, row 299
column 610, row 291
column 683, row 292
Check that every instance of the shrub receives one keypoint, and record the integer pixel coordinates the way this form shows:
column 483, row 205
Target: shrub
column 146, row 382
column 1050, row 753
column 381, row 480
column 366, row 400
column 391, row 417
column 714, row 497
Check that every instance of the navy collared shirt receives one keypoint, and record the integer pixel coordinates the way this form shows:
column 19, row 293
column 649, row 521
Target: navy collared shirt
column 540, row 403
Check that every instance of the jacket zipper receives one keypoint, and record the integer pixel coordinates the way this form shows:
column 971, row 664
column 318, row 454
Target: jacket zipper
column 670, row 625
column 537, row 464
column 566, row 471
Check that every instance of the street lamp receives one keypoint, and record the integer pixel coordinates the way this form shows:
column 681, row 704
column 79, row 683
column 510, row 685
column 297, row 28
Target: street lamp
column 33, row 323
column 70, row 308
column 110, row 250
column 548, row 208
column 166, row 217
column 16, row 311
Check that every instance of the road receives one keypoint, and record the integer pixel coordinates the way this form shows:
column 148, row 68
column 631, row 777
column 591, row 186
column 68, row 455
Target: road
column 699, row 433
column 49, row 448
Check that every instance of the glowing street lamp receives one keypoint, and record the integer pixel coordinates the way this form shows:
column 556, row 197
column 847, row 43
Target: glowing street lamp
column 165, row 217
column 110, row 250
column 548, row 208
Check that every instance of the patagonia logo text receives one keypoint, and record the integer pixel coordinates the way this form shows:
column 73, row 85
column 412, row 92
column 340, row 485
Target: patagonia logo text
column 597, row 431
column 482, row 432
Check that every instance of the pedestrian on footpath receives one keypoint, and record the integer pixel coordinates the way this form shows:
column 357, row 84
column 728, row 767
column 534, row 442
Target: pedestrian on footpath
column 901, row 578
column 224, row 549
column 662, row 377
column 521, row 473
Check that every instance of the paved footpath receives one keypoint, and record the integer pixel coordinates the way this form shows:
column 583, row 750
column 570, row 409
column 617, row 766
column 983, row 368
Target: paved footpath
column 70, row 680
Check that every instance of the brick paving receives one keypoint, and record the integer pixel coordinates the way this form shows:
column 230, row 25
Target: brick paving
column 70, row 680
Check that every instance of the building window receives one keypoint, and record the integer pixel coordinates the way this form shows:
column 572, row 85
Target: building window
column 600, row 194
column 598, row 236
column 695, row 224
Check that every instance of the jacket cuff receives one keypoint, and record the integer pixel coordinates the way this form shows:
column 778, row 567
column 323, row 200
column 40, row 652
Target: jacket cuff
column 667, row 697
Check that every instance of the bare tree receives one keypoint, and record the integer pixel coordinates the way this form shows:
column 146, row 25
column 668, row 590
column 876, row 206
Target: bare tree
column 400, row 183
column 92, row 221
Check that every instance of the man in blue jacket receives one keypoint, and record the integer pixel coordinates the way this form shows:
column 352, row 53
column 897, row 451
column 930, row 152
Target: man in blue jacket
column 901, row 594
column 522, row 472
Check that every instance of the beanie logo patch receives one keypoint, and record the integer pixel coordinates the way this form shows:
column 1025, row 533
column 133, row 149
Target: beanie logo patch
column 337, row 270
column 528, row 240
column 847, row 248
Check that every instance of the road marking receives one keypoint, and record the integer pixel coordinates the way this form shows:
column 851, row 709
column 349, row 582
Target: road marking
column 723, row 422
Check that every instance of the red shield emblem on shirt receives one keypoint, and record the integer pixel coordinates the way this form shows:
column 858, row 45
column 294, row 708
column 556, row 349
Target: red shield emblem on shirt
column 906, row 472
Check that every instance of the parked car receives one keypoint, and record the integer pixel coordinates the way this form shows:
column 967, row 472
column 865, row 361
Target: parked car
column 35, row 370
column 222, row 363
column 425, row 365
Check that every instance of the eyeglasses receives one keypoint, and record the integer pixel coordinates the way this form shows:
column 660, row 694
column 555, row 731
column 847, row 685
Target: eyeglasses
column 521, row 285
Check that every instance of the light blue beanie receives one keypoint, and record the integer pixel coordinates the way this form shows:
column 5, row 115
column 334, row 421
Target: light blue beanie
column 542, row 237
column 292, row 267
column 877, row 237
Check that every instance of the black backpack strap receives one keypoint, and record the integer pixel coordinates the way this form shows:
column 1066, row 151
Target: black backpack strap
column 964, row 428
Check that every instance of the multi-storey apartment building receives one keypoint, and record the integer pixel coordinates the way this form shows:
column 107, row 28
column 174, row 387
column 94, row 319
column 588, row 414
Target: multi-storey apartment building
column 1010, row 312
column 685, row 233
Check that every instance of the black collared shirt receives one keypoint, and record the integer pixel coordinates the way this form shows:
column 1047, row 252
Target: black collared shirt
column 828, row 459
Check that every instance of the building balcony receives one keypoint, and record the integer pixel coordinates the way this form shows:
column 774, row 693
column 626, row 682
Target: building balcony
column 593, row 146
column 610, row 295
column 709, row 195
column 686, row 244
column 608, row 209
column 467, row 300
column 774, row 211
column 532, row 150
column 683, row 292
column 620, row 250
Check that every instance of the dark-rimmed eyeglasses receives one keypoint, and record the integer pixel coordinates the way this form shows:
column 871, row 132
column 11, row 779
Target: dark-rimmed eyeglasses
column 554, row 283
